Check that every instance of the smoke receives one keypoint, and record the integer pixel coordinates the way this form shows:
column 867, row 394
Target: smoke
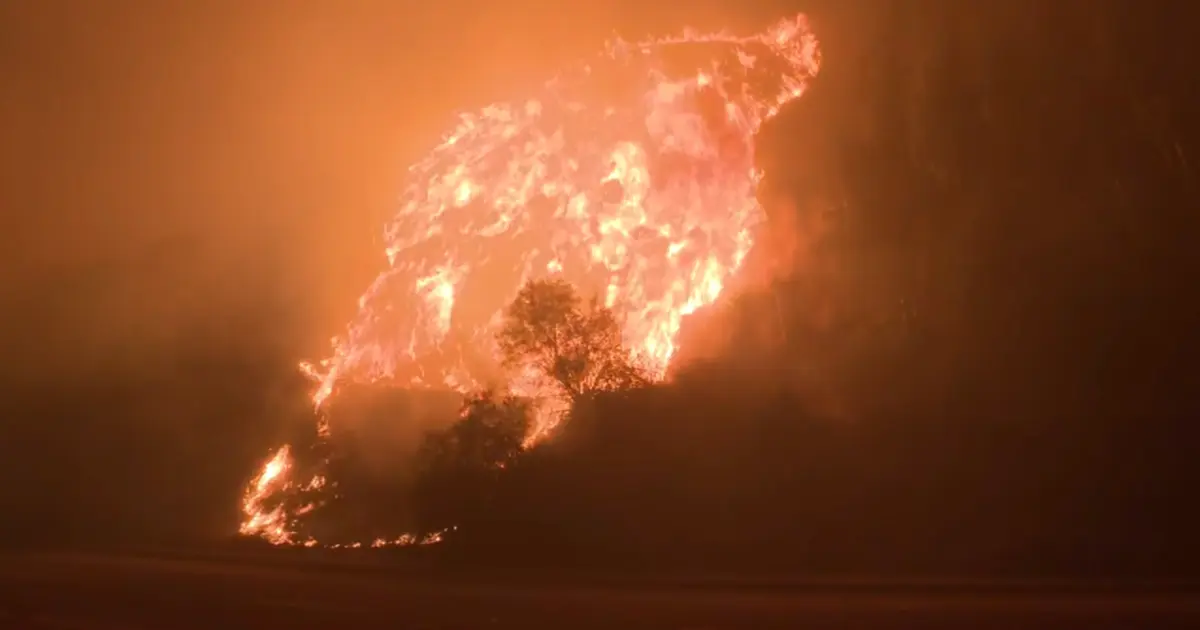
column 380, row 428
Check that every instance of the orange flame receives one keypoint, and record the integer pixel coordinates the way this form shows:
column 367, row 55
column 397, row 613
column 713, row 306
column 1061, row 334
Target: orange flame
column 627, row 178
column 269, row 523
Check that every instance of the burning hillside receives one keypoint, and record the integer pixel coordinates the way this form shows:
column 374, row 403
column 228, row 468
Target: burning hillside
column 631, row 176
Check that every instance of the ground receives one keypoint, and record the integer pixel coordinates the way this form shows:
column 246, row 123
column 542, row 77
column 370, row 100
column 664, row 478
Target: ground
column 125, row 592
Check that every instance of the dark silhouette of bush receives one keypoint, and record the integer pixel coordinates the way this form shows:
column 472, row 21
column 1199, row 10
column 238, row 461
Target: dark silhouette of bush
column 458, row 466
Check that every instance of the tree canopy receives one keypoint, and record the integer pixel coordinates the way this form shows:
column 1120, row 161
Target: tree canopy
column 576, row 347
column 459, row 465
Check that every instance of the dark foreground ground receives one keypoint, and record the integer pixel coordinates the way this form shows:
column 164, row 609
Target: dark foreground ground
column 92, row 591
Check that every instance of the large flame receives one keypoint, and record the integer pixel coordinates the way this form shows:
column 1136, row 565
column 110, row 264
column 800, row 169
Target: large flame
column 631, row 175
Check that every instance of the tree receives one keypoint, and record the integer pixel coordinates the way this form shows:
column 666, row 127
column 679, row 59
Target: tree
column 577, row 348
column 459, row 466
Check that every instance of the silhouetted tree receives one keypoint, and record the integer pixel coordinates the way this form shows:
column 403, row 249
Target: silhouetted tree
column 460, row 465
column 578, row 349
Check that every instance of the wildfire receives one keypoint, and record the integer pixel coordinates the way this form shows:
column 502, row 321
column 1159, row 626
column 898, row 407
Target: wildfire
column 631, row 175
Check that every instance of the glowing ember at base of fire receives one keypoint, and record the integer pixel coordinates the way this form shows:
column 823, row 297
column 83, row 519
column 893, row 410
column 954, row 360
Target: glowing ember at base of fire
column 631, row 176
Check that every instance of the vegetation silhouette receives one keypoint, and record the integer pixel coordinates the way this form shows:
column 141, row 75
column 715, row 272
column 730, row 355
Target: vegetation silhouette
column 1003, row 334
column 578, row 349
column 459, row 465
